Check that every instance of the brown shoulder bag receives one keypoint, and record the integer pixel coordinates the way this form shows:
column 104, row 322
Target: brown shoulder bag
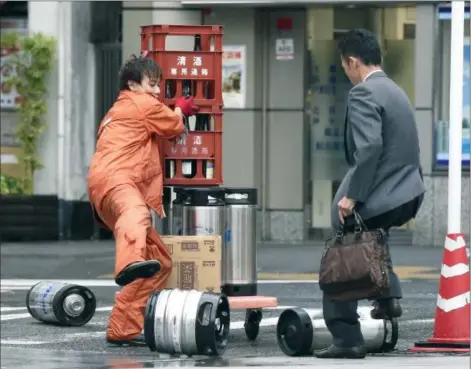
column 354, row 265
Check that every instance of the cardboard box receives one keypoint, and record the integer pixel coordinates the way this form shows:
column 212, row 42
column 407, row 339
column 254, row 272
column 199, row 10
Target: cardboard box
column 196, row 262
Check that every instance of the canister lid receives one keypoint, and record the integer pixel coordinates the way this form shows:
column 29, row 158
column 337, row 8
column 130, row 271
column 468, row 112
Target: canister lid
column 203, row 196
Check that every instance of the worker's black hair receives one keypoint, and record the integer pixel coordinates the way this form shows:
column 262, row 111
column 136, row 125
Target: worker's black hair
column 361, row 44
column 136, row 68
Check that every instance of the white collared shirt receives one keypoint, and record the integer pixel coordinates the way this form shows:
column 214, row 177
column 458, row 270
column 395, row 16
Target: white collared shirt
column 372, row 72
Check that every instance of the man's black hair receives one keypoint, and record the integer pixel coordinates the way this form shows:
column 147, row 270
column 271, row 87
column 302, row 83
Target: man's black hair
column 135, row 69
column 361, row 44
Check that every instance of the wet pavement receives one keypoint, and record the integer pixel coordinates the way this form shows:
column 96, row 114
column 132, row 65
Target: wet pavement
column 288, row 272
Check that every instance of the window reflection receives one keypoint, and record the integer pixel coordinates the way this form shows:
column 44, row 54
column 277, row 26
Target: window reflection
column 443, row 95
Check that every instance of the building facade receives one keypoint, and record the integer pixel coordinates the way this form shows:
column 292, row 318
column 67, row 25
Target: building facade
column 283, row 136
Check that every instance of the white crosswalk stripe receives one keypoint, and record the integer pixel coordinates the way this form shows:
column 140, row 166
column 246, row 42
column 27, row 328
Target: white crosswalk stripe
column 15, row 313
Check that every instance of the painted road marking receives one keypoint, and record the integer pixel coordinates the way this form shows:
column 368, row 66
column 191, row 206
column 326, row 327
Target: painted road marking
column 273, row 278
column 403, row 272
column 5, row 317
column 25, row 284
column 22, row 342
column 6, row 308
column 238, row 325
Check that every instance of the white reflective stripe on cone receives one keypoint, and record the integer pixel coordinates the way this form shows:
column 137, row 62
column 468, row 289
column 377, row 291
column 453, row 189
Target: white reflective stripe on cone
column 454, row 303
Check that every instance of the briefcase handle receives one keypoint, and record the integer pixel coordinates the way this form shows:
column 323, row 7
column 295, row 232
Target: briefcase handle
column 359, row 225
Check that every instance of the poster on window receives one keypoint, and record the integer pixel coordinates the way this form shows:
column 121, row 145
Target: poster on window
column 443, row 127
column 233, row 76
column 9, row 96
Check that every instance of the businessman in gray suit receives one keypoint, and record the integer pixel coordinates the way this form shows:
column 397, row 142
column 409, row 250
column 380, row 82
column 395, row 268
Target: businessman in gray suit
column 384, row 181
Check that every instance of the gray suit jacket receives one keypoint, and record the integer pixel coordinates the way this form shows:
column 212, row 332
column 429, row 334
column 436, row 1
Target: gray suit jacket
column 381, row 148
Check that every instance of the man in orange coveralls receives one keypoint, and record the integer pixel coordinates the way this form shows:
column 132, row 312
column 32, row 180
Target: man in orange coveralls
column 124, row 181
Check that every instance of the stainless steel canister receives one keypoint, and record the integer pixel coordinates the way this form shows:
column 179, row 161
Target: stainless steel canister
column 239, row 254
column 203, row 212
column 301, row 331
column 61, row 303
column 187, row 322
column 177, row 212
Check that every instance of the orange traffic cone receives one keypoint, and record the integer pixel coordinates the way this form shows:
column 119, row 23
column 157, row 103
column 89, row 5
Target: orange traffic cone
column 451, row 330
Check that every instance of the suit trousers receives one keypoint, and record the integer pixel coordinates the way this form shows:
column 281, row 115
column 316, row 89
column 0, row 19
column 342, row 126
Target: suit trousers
column 341, row 317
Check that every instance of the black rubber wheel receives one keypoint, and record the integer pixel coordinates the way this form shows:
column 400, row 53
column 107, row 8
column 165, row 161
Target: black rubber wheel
column 393, row 331
column 252, row 329
column 252, row 323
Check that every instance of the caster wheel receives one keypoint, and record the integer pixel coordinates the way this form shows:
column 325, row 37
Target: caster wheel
column 252, row 330
column 252, row 324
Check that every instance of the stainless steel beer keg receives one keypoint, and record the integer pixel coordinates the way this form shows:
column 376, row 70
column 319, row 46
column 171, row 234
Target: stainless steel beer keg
column 187, row 322
column 239, row 254
column 177, row 212
column 301, row 331
column 203, row 212
column 61, row 303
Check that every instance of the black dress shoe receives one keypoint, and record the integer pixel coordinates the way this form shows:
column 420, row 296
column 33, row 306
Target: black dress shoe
column 386, row 309
column 335, row 352
column 139, row 341
column 139, row 269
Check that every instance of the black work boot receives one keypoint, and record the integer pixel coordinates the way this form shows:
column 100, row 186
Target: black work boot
column 138, row 341
column 139, row 269
column 335, row 352
column 386, row 309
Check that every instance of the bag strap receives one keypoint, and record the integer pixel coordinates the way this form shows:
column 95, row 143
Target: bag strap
column 359, row 224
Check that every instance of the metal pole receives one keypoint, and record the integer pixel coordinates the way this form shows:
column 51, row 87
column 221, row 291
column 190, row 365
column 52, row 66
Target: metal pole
column 456, row 117
column 61, row 59
column 265, row 51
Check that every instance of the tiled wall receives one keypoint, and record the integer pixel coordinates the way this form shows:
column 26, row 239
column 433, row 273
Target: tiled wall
column 430, row 226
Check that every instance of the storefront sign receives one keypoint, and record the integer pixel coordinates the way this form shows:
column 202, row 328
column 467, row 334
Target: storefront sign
column 233, row 76
column 284, row 49
column 443, row 127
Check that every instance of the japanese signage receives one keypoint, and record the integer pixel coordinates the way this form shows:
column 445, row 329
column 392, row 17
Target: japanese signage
column 284, row 49
column 328, row 119
column 191, row 65
column 233, row 76
column 191, row 145
column 442, row 130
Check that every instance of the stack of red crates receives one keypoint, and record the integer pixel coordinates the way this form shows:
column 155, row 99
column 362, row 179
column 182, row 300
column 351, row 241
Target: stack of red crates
column 202, row 71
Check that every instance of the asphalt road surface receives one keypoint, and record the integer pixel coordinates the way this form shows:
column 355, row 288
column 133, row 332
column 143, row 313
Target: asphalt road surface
column 287, row 272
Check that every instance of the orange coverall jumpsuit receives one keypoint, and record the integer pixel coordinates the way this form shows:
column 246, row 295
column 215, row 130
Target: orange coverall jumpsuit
column 124, row 181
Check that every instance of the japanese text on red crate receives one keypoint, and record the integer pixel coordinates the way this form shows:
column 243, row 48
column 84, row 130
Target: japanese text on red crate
column 190, row 65
column 197, row 146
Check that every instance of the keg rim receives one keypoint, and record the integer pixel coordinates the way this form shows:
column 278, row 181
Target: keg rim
column 299, row 317
column 211, row 340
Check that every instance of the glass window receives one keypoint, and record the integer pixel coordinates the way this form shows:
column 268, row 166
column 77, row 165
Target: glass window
column 443, row 96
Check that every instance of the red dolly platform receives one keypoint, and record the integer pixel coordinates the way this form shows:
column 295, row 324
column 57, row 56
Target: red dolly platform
column 253, row 306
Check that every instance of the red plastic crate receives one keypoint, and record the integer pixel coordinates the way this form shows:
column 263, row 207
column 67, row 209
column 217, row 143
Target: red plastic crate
column 203, row 69
column 200, row 67
column 201, row 146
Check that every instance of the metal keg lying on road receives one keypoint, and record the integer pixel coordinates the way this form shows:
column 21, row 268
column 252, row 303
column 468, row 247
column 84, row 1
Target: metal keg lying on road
column 301, row 331
column 187, row 322
column 203, row 212
column 61, row 303
column 239, row 255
